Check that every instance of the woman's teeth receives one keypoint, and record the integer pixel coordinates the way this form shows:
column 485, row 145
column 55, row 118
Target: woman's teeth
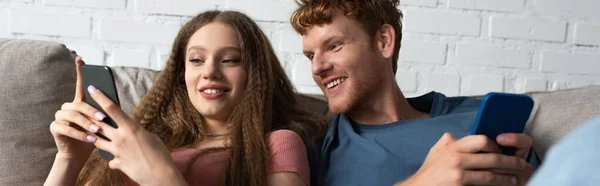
column 212, row 91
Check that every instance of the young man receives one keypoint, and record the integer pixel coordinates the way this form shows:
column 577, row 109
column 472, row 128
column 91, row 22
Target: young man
column 379, row 137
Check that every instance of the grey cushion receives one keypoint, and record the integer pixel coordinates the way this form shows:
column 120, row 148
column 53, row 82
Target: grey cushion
column 36, row 78
column 556, row 113
column 132, row 84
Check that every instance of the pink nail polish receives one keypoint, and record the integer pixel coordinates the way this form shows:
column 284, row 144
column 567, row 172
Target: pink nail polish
column 501, row 138
column 92, row 89
column 91, row 138
column 77, row 58
column 94, row 128
column 99, row 116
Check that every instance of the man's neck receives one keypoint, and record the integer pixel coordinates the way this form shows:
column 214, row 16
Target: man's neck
column 385, row 106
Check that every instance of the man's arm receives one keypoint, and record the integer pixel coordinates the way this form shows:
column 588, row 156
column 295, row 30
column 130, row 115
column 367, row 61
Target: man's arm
column 458, row 162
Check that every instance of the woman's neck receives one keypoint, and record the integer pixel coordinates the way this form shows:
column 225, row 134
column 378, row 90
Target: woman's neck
column 214, row 126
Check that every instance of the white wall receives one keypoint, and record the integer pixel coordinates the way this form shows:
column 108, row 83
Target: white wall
column 459, row 47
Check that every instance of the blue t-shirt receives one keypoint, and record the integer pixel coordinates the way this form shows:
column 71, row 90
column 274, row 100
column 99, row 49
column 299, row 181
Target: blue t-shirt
column 356, row 154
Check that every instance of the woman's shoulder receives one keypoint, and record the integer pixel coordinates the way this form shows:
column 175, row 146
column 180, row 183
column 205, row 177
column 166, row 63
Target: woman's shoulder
column 288, row 154
column 284, row 134
column 285, row 139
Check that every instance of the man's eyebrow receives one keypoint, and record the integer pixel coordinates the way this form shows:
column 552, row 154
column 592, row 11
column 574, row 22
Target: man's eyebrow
column 332, row 38
column 327, row 41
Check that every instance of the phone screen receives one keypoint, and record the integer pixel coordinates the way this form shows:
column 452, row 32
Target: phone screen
column 102, row 78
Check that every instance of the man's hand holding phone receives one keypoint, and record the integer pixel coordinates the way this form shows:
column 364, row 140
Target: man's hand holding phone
column 457, row 162
column 477, row 159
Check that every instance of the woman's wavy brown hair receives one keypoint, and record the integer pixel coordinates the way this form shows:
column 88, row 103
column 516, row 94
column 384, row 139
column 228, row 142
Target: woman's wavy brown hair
column 371, row 14
column 269, row 103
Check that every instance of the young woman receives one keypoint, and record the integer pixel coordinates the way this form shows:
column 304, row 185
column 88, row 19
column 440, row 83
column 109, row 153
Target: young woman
column 222, row 112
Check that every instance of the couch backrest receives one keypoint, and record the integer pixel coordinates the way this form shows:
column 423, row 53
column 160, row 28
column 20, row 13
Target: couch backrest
column 558, row 112
column 36, row 78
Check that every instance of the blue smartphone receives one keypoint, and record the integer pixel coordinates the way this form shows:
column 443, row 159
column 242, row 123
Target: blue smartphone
column 502, row 113
column 100, row 77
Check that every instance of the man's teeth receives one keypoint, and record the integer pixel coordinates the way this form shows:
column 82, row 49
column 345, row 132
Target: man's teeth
column 335, row 82
column 212, row 91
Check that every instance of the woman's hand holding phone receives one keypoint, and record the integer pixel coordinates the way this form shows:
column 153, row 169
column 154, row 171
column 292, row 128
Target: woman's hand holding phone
column 138, row 153
column 73, row 131
column 74, row 125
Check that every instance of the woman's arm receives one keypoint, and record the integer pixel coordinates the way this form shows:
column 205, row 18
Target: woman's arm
column 289, row 161
column 63, row 172
column 286, row 178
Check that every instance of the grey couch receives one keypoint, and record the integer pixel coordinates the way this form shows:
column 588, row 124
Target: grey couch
column 36, row 77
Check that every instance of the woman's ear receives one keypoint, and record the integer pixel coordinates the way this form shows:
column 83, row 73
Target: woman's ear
column 386, row 36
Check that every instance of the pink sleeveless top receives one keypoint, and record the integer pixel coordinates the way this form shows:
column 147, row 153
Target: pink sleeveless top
column 288, row 154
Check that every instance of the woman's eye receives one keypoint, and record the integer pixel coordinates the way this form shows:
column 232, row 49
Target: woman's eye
column 196, row 60
column 231, row 61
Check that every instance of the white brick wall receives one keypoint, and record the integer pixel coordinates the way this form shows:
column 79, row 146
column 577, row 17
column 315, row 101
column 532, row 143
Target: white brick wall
column 449, row 84
column 458, row 47
column 106, row 4
column 22, row 21
column 428, row 3
column 481, row 84
column 587, row 34
column 170, row 7
column 528, row 29
column 407, row 80
column 571, row 63
column 570, row 8
column 492, row 55
column 423, row 52
column 426, row 21
column 491, row 5
column 134, row 31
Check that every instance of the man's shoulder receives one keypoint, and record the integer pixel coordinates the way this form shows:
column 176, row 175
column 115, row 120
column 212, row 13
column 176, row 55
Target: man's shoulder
column 439, row 104
column 463, row 102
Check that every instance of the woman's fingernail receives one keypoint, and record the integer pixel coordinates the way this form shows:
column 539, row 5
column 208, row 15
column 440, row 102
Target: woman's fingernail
column 94, row 128
column 501, row 138
column 99, row 116
column 92, row 89
column 78, row 58
column 91, row 138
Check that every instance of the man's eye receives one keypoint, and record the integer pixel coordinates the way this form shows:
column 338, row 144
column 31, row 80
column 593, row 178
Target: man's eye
column 334, row 46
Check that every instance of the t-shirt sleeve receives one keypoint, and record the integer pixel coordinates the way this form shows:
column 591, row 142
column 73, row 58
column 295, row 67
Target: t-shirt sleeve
column 288, row 154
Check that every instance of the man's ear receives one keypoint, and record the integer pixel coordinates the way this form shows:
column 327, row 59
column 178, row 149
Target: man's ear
column 385, row 40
